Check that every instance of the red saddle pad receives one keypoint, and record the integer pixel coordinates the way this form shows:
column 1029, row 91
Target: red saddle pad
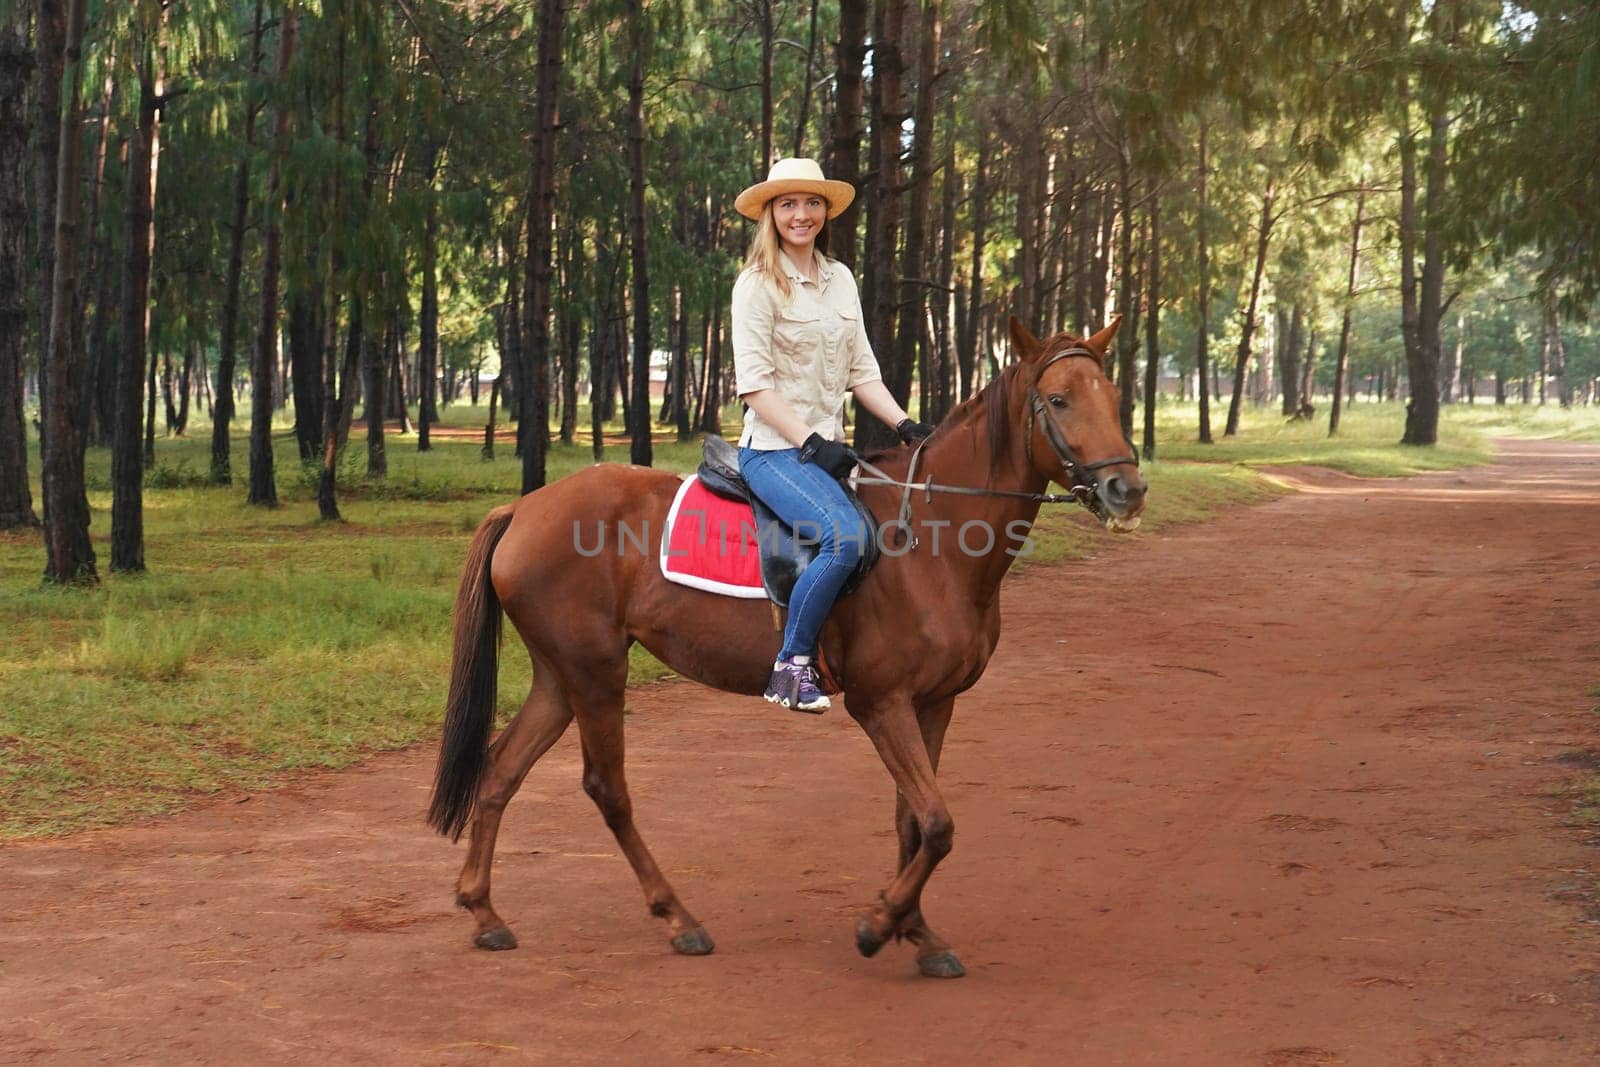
column 710, row 543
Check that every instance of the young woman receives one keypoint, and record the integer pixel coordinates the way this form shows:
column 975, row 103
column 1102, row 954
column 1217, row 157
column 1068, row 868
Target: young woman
column 799, row 345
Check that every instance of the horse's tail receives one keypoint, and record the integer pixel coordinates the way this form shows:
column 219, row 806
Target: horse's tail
column 469, row 715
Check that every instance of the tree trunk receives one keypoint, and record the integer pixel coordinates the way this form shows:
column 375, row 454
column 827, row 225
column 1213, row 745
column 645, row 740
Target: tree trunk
column 1046, row 306
column 374, row 392
column 1152, row 338
column 1450, row 371
column 641, row 453
column 944, row 325
column 711, row 400
column 350, row 370
column 1307, row 373
column 1099, row 279
column 168, row 389
column 1203, row 337
column 534, row 388
column 16, row 70
column 303, row 339
column 1289, row 359
column 1544, row 352
column 49, row 41
column 511, row 326
column 328, row 347
column 697, row 417
column 428, row 314
column 69, row 554
column 1027, row 257
column 1247, row 326
column 599, row 385
column 399, row 364
column 680, row 368
column 227, row 344
column 845, row 163
column 1408, row 227
column 805, row 86
column 914, row 271
column 1342, row 360
column 570, row 330
column 967, row 347
column 100, row 386
column 1079, row 247
column 150, row 412
column 764, row 21
column 883, row 225
column 185, row 384
column 263, row 487
column 1422, row 359
column 488, row 429
column 1558, row 349
column 1128, row 297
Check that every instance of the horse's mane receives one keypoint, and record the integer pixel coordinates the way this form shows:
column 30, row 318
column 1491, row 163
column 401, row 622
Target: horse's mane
column 989, row 404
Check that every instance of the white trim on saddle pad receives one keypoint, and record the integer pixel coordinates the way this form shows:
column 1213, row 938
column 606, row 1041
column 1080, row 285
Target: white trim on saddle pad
column 694, row 581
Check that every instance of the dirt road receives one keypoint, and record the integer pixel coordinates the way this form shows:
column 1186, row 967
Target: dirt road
column 1280, row 789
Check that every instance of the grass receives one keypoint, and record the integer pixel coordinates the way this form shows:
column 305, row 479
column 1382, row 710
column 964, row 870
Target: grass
column 263, row 642
column 1367, row 444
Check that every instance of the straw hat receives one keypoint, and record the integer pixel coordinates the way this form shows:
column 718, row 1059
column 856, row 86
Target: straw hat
column 794, row 176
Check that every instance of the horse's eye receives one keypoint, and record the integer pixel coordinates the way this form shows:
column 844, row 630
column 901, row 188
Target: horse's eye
column 1057, row 400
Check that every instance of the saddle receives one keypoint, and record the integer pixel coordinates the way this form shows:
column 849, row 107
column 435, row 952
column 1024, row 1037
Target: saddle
column 783, row 558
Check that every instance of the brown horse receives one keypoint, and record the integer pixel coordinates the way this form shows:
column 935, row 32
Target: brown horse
column 1050, row 415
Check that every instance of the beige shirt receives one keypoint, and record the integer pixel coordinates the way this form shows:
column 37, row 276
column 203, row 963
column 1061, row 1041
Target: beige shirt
column 811, row 350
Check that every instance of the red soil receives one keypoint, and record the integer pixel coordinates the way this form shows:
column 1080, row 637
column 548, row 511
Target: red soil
column 1279, row 789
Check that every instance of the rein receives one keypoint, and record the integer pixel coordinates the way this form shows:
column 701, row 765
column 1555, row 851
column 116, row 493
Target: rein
column 1083, row 489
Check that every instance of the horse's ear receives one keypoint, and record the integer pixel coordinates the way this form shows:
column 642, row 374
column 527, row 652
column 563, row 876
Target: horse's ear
column 1024, row 344
column 1101, row 342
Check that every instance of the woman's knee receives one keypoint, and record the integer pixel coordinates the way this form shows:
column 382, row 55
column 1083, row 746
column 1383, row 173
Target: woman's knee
column 849, row 535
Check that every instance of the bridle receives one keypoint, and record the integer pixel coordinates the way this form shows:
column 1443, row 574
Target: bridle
column 1080, row 473
column 1082, row 488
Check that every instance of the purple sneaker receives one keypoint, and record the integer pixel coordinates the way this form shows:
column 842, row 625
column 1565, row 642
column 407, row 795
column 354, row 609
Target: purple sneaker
column 794, row 685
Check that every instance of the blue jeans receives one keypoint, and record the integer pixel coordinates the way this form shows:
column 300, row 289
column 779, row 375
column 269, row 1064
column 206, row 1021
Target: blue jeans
column 808, row 499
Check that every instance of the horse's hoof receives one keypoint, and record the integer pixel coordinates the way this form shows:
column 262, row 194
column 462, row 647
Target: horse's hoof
column 867, row 940
column 694, row 943
column 940, row 965
column 497, row 940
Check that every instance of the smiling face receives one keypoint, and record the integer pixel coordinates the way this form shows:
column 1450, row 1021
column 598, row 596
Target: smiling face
column 798, row 218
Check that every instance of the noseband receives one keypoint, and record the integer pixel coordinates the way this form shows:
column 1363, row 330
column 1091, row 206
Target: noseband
column 1080, row 473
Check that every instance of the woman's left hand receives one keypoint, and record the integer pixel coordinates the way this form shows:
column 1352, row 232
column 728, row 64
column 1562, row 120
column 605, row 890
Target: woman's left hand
column 911, row 431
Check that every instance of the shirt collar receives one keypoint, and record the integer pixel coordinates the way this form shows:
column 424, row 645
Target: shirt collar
column 824, row 268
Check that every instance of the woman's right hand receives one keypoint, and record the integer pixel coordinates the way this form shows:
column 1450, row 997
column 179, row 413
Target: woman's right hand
column 835, row 457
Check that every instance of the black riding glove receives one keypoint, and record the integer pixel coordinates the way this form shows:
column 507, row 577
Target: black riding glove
column 835, row 457
column 911, row 431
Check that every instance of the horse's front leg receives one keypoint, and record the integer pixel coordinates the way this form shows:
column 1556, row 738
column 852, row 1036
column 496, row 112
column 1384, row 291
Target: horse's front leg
column 893, row 727
column 935, row 958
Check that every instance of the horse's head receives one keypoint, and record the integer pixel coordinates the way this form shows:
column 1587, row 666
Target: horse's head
column 1073, row 429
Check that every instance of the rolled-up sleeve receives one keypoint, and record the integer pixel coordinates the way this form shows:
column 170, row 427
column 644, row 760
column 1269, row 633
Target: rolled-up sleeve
column 752, row 334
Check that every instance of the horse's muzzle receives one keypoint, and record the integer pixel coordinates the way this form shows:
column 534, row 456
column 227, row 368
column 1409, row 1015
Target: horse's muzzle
column 1123, row 494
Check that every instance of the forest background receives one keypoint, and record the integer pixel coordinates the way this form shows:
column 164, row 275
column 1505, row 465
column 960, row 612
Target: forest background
column 221, row 213
column 234, row 232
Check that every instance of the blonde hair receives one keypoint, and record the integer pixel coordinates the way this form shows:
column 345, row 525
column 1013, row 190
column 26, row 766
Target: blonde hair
column 765, row 252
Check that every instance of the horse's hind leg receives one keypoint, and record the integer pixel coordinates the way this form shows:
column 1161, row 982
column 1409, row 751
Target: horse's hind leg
column 935, row 958
column 541, row 722
column 600, row 726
